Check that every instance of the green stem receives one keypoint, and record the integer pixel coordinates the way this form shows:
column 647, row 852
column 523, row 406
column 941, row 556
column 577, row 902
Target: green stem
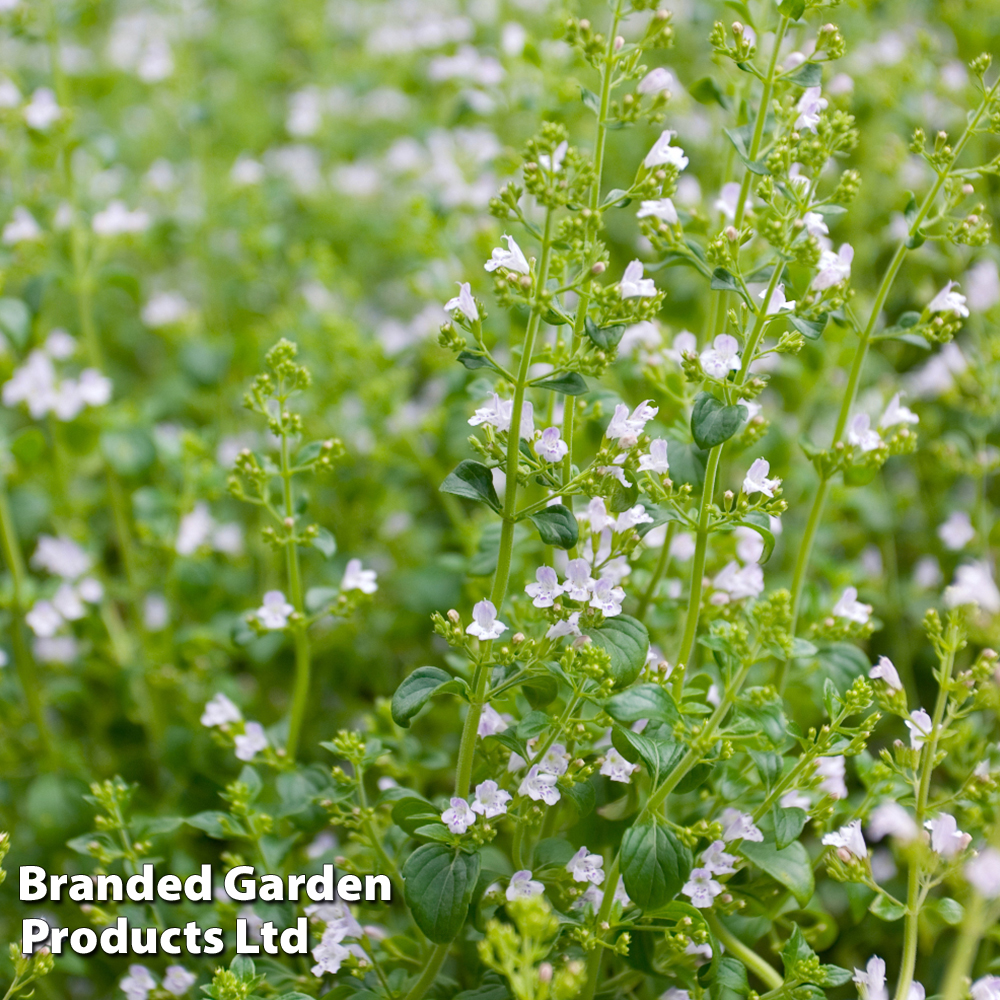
column 434, row 962
column 764, row 971
column 955, row 984
column 658, row 571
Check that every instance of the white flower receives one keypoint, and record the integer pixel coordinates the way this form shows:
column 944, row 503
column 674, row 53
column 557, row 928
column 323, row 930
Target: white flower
column 920, row 725
column 464, row 302
column 831, row 770
column 554, row 761
column 90, row 590
column 579, row 582
column 274, row 610
column 957, row 531
column 738, row 825
column 702, row 888
column 777, row 303
column 656, row 459
column 684, row 343
column 983, row 874
column 42, row 112
column 756, row 480
column 663, row 153
column 43, row 619
column 155, row 613
column 834, row 267
column 739, row 583
column 633, row 285
column 795, row 800
column 896, row 414
column 569, row 626
column 890, row 819
column 458, row 817
column 484, row 624
column 974, row 584
column 523, row 886
column 850, row 608
column 946, row 838
column 251, row 741
column 885, row 670
column 871, row 982
column 597, row 513
column 714, row 859
column 655, row 81
column 607, row 598
column 61, row 557
column 246, row 171
column 554, row 163
column 729, row 196
column 988, row 987
column 749, row 544
column 67, row 602
column 809, row 106
column 983, row 283
column 632, row 518
column 511, row 259
column 10, row 96
column 57, row 649
column 178, row 980
column 329, row 955
column 662, row 209
column 117, row 220
column 617, row 768
column 219, row 711
column 491, row 722
column 22, row 228
column 138, row 983
column 947, row 301
column 798, row 180
column 546, row 590
column 626, row 428
column 491, row 800
column 496, row 413
column 586, row 867
column 848, row 838
column 861, row 435
column 165, row 309
column 550, row 446
column 722, row 357
column 815, row 224
column 540, row 787
column 356, row 578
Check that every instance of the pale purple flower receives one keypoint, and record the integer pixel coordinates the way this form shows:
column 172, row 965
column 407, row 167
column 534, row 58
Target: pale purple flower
column 738, row 825
column 484, row 624
column 811, row 103
column 684, row 343
column 722, row 357
column 702, row 888
column 554, row 162
column 682, row 547
column 491, row 722
column 579, row 583
column 749, row 544
column 871, row 982
column 714, row 859
column 178, row 980
column 117, row 220
column 974, row 584
column 655, row 81
column 555, row 760
column 194, row 531
column 586, row 867
column 983, row 284
column 219, row 711
column 834, row 267
column 633, row 285
column 464, row 302
column 756, row 480
column 42, row 112
column 850, row 608
column 547, row 588
column 274, row 610
column 662, row 153
column 987, row 987
column 794, row 799
column 885, row 670
column 946, row 838
column 957, row 531
column 22, row 228
column 138, row 984
column 356, row 578
column 861, row 435
column 777, row 303
column 512, row 259
column 848, row 838
column 728, row 199
column 662, row 209
column 897, row 414
column 491, row 800
column 251, row 742
column 656, row 459
column 739, row 582
column 43, row 619
column 458, row 817
column 947, row 301
column 920, row 725
column 625, row 427
column 615, row 471
column 550, row 446
column 983, row 874
column 617, row 768
column 67, row 602
column 815, row 224
column 569, row 626
column 497, row 413
column 831, row 770
column 631, row 518
column 540, row 786
column 607, row 598
column 523, row 886
column 890, row 819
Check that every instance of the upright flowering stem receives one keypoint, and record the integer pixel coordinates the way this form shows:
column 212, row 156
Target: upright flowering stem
column 954, row 986
column 764, row 971
column 26, row 667
column 658, row 571
column 857, row 365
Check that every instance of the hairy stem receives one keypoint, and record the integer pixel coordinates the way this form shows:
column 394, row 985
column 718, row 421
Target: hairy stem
column 434, row 962
column 764, row 971
column 955, row 983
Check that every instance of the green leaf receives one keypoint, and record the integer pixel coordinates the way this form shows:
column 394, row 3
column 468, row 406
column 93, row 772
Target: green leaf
column 659, row 757
column 557, row 526
column 591, row 100
column 475, row 361
column 645, row 701
column 809, row 74
column 730, row 980
column 437, row 883
column 795, row 950
column 415, row 691
column 788, row 824
column 218, row 825
column 604, row 337
column 474, row 481
column 583, row 796
column 723, row 281
column 687, row 464
column 326, row 543
column 707, row 91
column 789, row 865
column 623, row 497
column 540, row 689
column 843, row 663
column 792, row 9
column 129, row 451
column 811, row 329
column 655, row 865
column 950, row 911
column 910, row 212
column 568, row 383
column 713, row 422
column 491, row 988
column 803, row 648
column 627, row 642
column 617, row 197
column 28, row 445
column 15, row 321
column 887, row 910
column 736, row 136
column 413, row 812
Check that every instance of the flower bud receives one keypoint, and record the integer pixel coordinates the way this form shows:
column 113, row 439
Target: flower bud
column 545, row 972
column 619, row 42
column 599, row 268
column 289, row 522
column 454, row 617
